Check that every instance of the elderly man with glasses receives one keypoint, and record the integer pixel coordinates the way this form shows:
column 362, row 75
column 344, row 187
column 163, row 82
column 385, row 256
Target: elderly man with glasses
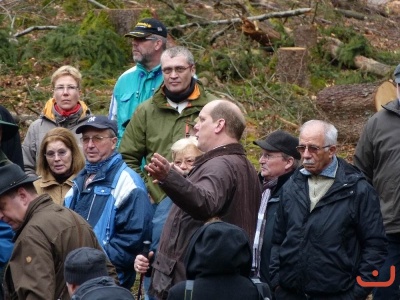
column 111, row 197
column 139, row 83
column 328, row 236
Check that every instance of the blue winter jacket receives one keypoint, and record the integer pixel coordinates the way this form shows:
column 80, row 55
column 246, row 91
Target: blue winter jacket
column 117, row 206
column 6, row 243
column 133, row 87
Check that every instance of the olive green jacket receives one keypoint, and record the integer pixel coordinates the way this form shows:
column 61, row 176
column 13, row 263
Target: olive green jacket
column 153, row 128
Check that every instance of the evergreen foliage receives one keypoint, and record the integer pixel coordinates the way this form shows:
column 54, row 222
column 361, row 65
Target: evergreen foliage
column 8, row 50
column 99, row 50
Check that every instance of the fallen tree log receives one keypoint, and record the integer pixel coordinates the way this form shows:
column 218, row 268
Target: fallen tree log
column 363, row 63
column 348, row 107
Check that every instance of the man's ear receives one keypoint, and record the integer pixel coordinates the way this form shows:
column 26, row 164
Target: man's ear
column 289, row 163
column 24, row 196
column 220, row 125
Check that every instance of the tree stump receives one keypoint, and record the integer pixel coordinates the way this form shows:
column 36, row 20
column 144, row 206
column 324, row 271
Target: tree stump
column 292, row 66
column 305, row 36
column 349, row 107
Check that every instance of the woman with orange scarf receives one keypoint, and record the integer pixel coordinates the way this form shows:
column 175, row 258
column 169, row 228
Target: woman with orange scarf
column 64, row 109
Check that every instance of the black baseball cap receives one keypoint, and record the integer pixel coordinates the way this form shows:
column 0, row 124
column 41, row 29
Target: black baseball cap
column 148, row 27
column 280, row 141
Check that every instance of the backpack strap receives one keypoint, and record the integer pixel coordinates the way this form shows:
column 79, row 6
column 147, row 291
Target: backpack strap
column 262, row 288
column 189, row 290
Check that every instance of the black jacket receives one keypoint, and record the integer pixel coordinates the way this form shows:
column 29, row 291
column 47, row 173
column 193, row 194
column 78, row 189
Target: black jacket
column 219, row 261
column 272, row 207
column 321, row 252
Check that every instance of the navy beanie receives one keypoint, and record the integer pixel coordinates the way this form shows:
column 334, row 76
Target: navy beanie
column 83, row 264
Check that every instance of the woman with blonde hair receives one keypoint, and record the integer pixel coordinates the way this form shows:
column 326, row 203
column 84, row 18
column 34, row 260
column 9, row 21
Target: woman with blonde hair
column 64, row 109
column 60, row 160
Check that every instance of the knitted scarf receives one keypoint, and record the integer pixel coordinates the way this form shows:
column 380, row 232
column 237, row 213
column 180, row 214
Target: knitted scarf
column 178, row 98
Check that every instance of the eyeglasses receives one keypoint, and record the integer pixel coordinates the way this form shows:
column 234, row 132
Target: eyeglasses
column 178, row 69
column 311, row 148
column 95, row 139
column 52, row 154
column 61, row 88
column 269, row 156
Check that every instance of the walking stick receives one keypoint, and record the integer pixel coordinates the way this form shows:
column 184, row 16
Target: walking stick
column 145, row 253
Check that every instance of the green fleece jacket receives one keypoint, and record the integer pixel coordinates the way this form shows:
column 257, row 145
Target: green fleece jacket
column 154, row 127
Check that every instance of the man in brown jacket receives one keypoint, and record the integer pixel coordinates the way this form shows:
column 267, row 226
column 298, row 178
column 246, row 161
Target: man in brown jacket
column 222, row 184
column 45, row 233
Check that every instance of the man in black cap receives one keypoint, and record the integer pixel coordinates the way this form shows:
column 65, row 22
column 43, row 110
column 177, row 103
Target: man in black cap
column 278, row 160
column 149, row 40
column 45, row 233
column 377, row 155
column 85, row 271
column 111, row 197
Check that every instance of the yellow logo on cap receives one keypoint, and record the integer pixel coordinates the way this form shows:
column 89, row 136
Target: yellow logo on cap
column 142, row 24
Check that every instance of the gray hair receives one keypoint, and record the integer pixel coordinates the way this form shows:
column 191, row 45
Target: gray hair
column 330, row 131
column 183, row 144
column 176, row 51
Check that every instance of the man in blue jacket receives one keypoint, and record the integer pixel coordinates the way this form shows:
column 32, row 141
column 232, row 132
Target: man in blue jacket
column 111, row 197
column 328, row 228
column 149, row 40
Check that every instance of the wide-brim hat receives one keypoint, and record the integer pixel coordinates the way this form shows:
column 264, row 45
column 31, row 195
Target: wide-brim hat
column 280, row 141
column 147, row 27
column 99, row 122
column 13, row 176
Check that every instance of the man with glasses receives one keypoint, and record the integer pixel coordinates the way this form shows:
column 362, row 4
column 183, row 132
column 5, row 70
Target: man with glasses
column 328, row 236
column 149, row 40
column 377, row 155
column 163, row 119
column 111, row 197
column 278, row 160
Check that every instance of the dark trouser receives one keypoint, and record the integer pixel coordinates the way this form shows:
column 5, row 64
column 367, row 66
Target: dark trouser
column 392, row 259
column 283, row 294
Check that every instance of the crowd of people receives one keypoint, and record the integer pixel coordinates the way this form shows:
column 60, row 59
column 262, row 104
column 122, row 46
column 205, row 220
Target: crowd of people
column 83, row 192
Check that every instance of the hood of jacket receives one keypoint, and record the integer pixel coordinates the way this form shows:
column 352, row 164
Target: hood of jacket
column 48, row 110
column 101, row 288
column 218, row 248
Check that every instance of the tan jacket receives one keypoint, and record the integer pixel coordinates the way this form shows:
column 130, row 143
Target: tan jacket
column 57, row 191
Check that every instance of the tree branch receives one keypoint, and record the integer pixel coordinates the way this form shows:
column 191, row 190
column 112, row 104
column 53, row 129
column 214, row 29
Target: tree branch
column 98, row 4
column 26, row 31
column 282, row 14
